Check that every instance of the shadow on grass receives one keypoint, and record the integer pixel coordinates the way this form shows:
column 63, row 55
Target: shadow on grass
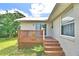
column 14, row 51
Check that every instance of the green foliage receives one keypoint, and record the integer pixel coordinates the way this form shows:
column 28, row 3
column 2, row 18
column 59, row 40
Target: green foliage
column 8, row 27
column 10, row 48
column 38, row 50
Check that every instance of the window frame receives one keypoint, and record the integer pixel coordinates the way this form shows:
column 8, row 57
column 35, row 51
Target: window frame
column 67, row 36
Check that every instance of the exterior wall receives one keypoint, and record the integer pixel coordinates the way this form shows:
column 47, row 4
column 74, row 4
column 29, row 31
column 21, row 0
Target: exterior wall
column 70, row 45
column 58, row 9
column 27, row 26
column 50, row 30
column 31, row 26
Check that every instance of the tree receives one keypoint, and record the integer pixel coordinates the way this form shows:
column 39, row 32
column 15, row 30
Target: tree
column 8, row 26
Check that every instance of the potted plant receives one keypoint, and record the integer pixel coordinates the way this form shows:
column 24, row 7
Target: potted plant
column 38, row 50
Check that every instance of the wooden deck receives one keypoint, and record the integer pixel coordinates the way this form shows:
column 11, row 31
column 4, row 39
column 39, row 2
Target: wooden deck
column 28, row 38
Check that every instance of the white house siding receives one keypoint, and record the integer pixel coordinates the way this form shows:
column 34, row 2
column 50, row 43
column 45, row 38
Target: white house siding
column 70, row 45
column 31, row 26
column 27, row 26
column 76, row 9
column 49, row 30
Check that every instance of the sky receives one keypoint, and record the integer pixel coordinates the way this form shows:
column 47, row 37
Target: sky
column 20, row 6
column 30, row 9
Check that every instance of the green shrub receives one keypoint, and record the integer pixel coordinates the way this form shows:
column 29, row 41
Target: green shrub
column 38, row 50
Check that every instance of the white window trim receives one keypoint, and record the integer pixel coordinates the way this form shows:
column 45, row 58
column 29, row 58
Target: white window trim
column 65, row 36
column 69, row 22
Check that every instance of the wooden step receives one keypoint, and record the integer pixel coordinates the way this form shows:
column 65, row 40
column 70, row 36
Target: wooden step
column 53, row 48
column 55, row 53
column 51, row 41
column 51, row 44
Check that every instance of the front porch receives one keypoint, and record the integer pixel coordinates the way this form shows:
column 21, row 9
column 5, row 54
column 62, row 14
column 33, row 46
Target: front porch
column 30, row 38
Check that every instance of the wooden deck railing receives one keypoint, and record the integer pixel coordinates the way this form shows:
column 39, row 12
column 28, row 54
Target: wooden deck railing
column 26, row 37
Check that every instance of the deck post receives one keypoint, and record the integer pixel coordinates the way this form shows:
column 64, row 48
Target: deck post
column 43, row 33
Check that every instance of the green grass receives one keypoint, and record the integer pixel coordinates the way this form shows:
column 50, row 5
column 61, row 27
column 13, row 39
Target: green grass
column 8, row 47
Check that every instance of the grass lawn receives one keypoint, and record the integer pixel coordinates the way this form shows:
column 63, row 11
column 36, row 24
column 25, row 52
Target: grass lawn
column 8, row 47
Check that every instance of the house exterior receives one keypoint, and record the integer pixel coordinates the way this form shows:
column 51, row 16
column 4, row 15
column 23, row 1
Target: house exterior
column 65, row 21
column 31, row 32
column 62, row 25
column 33, row 23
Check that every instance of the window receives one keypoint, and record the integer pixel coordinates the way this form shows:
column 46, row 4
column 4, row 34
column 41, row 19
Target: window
column 67, row 27
column 38, row 26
